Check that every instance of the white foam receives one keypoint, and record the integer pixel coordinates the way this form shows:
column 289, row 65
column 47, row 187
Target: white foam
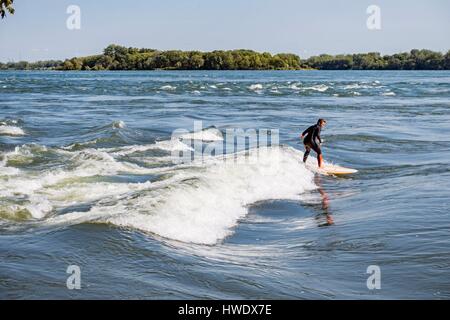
column 199, row 202
column 294, row 87
column 41, row 186
column 11, row 131
column 168, row 88
column 210, row 134
column 8, row 171
column 320, row 88
column 255, row 87
column 118, row 124
column 173, row 145
column 205, row 209
column 88, row 192
column 4, row 169
column 352, row 86
column 93, row 162
column 23, row 154
column 35, row 206
column 39, row 206
column 389, row 93
column 167, row 145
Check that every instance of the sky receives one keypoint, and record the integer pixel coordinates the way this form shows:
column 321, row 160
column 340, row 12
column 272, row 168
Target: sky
column 38, row 30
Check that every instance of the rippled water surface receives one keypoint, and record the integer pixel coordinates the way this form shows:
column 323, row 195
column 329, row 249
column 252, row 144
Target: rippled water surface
column 87, row 178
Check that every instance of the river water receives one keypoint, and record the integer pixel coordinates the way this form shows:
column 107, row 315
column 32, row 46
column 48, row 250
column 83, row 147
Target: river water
column 89, row 177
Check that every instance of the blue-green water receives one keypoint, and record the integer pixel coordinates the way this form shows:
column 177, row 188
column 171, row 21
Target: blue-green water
column 87, row 178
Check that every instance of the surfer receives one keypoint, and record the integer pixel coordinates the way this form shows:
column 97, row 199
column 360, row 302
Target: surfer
column 311, row 140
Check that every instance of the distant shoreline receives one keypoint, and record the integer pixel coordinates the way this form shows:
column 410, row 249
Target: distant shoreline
column 235, row 70
column 205, row 70
column 119, row 58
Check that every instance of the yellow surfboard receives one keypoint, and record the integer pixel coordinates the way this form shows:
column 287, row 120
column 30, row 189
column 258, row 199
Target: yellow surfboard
column 330, row 169
column 337, row 170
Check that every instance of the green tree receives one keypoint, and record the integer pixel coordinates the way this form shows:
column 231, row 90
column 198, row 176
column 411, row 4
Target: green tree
column 6, row 6
column 72, row 64
column 213, row 60
column 195, row 61
column 278, row 63
column 447, row 60
column 427, row 60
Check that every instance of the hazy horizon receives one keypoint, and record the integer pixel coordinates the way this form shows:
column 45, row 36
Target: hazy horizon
column 37, row 31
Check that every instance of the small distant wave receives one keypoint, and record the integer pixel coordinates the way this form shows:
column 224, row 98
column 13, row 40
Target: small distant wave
column 113, row 133
column 9, row 127
column 6, row 130
column 24, row 155
column 389, row 93
column 359, row 86
column 174, row 144
column 168, row 88
column 294, row 86
column 352, row 86
column 255, row 87
column 79, row 145
column 319, row 88
column 106, row 128
column 118, row 124
column 167, row 145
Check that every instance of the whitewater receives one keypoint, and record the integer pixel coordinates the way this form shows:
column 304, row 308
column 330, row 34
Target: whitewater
column 199, row 203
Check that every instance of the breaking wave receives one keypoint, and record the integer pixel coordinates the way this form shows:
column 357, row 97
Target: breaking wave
column 200, row 202
column 10, row 128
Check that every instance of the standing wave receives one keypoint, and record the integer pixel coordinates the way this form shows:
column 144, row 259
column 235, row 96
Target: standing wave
column 202, row 203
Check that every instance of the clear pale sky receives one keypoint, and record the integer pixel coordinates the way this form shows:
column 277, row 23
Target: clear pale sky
column 38, row 29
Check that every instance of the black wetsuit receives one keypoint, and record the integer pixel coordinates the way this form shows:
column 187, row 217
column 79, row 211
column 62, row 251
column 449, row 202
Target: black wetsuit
column 312, row 140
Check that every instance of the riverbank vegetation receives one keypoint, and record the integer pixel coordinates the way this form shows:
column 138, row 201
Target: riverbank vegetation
column 116, row 57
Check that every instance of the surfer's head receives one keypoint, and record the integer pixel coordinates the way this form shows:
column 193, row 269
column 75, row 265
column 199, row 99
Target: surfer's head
column 322, row 122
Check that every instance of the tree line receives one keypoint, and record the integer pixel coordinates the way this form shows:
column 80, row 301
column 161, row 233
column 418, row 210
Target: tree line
column 116, row 57
column 121, row 58
column 413, row 60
